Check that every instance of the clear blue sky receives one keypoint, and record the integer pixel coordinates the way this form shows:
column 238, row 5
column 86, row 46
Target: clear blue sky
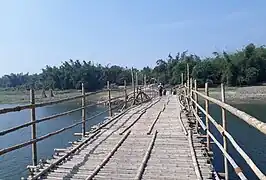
column 35, row 33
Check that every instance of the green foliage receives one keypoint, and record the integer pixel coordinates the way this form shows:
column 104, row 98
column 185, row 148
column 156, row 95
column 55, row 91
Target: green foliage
column 245, row 67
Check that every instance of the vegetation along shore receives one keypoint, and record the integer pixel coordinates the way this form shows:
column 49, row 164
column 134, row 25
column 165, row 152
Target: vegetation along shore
column 240, row 71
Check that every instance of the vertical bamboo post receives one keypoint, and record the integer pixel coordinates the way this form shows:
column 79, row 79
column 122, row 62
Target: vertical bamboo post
column 83, row 111
column 145, row 81
column 207, row 112
column 125, row 92
column 141, row 96
column 196, row 99
column 109, row 99
column 225, row 127
column 185, row 90
column 188, row 76
column 190, row 93
column 33, row 128
column 182, row 79
column 137, row 83
column 133, row 84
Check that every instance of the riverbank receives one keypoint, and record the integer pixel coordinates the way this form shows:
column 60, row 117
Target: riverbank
column 237, row 95
column 240, row 95
column 23, row 96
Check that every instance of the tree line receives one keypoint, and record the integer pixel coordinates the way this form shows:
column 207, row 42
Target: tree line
column 240, row 68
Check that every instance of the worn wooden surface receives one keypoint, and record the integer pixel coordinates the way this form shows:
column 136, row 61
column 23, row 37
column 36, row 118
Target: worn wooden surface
column 147, row 142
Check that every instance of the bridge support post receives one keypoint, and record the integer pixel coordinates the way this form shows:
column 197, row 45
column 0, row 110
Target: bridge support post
column 182, row 79
column 137, row 83
column 224, row 127
column 83, row 112
column 188, row 76
column 109, row 99
column 125, row 92
column 133, row 85
column 190, row 92
column 196, row 99
column 185, row 89
column 33, row 128
column 207, row 113
column 141, row 95
column 144, row 81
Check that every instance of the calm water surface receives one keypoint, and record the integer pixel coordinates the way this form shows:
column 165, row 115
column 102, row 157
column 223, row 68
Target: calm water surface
column 13, row 164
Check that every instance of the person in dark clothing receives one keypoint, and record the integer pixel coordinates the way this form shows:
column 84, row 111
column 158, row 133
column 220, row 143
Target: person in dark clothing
column 174, row 91
column 164, row 92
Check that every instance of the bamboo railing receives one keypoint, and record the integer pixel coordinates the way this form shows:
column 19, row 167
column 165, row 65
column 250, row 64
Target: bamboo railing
column 189, row 96
column 123, row 102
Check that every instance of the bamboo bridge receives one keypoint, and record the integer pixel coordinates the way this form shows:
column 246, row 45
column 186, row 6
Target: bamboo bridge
column 144, row 137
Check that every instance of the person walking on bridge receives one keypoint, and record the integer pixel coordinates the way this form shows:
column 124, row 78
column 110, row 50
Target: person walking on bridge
column 160, row 88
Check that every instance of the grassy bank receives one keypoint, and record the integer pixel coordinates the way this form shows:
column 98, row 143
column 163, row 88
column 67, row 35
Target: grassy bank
column 11, row 96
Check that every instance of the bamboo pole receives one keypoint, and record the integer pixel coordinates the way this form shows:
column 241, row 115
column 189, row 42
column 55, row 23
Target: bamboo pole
column 109, row 155
column 252, row 121
column 145, row 81
column 93, row 134
column 180, row 119
column 83, row 111
column 37, row 105
column 188, row 76
column 237, row 169
column 32, row 141
column 4, row 132
column 185, row 89
column 133, row 84
column 33, row 128
column 224, row 137
column 146, row 158
column 207, row 113
column 249, row 161
column 125, row 92
column 190, row 92
column 155, row 120
column 193, row 155
column 109, row 99
column 137, row 83
column 182, row 79
column 196, row 99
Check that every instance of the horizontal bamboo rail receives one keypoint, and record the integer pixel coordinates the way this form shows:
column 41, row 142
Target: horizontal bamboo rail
column 37, row 105
column 92, row 135
column 4, row 132
column 122, row 100
column 242, row 115
column 252, row 121
column 18, row 146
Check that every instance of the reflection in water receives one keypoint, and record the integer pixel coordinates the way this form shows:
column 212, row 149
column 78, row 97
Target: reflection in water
column 13, row 164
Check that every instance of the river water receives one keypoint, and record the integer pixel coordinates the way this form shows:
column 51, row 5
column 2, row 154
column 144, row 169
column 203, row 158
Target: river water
column 250, row 140
column 13, row 164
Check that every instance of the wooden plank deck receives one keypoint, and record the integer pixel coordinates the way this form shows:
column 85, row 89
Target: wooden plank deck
column 146, row 142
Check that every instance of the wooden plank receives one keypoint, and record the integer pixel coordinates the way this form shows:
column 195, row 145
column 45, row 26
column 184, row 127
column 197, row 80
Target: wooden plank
column 97, row 169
